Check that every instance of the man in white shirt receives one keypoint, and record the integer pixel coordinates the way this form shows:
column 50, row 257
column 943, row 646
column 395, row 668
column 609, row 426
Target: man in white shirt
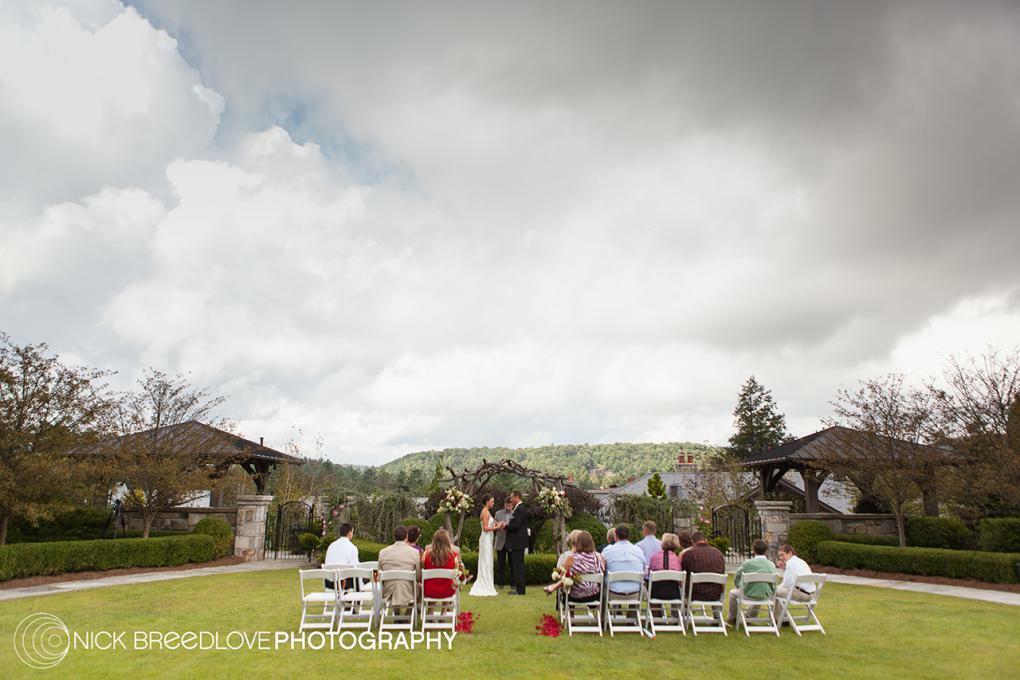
column 649, row 544
column 795, row 567
column 342, row 550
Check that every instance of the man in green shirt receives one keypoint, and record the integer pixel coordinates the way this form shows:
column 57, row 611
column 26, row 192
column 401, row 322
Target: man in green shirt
column 759, row 564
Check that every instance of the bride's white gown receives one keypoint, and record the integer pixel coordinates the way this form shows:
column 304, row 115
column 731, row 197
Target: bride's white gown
column 483, row 586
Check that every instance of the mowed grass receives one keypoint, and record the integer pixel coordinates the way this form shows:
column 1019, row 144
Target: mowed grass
column 872, row 633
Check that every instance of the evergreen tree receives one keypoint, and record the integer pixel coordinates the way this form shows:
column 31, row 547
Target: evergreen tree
column 656, row 489
column 758, row 422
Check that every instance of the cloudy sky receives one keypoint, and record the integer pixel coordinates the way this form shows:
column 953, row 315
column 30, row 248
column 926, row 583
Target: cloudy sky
column 402, row 226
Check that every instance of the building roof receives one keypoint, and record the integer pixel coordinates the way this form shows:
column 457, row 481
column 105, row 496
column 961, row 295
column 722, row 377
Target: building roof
column 798, row 450
column 215, row 442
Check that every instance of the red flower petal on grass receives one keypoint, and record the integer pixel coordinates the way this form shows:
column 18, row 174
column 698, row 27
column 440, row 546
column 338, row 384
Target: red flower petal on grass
column 549, row 626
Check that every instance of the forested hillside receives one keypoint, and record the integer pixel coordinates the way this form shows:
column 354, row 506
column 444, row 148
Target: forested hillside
column 592, row 465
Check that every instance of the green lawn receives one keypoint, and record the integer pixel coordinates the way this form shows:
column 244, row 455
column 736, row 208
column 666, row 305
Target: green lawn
column 872, row 633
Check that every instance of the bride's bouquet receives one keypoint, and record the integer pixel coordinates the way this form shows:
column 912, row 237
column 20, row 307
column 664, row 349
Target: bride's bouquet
column 455, row 501
column 553, row 500
column 463, row 575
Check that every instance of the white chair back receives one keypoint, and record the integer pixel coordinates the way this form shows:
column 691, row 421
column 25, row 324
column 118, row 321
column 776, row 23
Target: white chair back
column 666, row 614
column 402, row 617
column 439, row 613
column 706, row 616
column 585, row 617
column 747, row 579
column 623, row 614
column 318, row 577
column 318, row 602
column 749, row 610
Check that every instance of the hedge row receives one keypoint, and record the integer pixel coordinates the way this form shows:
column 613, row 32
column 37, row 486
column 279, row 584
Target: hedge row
column 538, row 566
column 57, row 557
column 865, row 539
column 939, row 532
column 1000, row 534
column 983, row 566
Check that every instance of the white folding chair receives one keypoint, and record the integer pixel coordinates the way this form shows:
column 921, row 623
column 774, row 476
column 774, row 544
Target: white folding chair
column 439, row 613
column 706, row 616
column 749, row 610
column 318, row 603
column 337, row 567
column 623, row 615
column 663, row 615
column 400, row 617
column 357, row 606
column 585, row 617
column 809, row 620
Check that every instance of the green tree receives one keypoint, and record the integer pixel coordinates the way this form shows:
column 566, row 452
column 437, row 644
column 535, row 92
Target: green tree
column 46, row 410
column 656, row 488
column 758, row 422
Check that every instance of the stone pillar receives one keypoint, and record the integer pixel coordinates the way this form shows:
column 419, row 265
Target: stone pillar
column 250, row 533
column 775, row 523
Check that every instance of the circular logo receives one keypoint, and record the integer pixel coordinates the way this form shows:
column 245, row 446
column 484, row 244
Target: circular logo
column 41, row 640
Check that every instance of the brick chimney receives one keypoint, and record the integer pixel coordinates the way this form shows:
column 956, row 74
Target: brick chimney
column 685, row 460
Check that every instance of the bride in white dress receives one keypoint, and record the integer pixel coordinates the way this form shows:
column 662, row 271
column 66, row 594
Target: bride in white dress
column 484, row 586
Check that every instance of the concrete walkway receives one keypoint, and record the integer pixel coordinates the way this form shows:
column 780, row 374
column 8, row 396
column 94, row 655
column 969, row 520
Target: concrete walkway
column 996, row 596
column 150, row 577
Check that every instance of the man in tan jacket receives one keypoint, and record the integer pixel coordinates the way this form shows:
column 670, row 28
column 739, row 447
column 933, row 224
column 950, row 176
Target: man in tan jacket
column 399, row 556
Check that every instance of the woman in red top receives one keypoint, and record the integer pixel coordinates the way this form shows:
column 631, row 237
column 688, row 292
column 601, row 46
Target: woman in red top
column 439, row 555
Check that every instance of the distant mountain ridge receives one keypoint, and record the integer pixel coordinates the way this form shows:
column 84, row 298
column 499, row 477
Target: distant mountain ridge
column 592, row 465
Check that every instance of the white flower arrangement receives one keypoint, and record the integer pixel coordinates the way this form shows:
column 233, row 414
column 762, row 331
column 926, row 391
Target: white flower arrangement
column 455, row 501
column 554, row 500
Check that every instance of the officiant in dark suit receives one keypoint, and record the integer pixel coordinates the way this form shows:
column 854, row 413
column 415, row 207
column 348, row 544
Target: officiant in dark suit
column 502, row 552
column 517, row 542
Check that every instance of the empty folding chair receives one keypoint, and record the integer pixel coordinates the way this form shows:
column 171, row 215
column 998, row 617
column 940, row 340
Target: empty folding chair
column 808, row 621
column 318, row 603
column 663, row 615
column 706, row 616
column 585, row 617
column 623, row 615
column 756, row 615
column 357, row 607
column 400, row 617
column 439, row 613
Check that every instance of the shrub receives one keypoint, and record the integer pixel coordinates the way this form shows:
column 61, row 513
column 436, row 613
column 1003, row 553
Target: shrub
column 538, row 567
column 983, row 566
column 426, row 527
column 939, row 532
column 470, row 534
column 807, row 534
column 720, row 543
column 635, row 509
column 81, row 524
column 864, row 539
column 221, row 532
column 589, row 523
column 309, row 542
column 58, row 557
column 368, row 551
column 1001, row 534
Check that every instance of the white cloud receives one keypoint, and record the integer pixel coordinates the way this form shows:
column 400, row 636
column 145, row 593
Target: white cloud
column 89, row 96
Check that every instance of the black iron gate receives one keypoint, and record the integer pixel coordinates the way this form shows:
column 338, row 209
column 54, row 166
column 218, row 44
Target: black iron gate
column 284, row 528
column 733, row 522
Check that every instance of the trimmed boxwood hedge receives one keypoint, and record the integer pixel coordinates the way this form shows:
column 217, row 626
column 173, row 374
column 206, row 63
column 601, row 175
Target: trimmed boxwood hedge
column 1000, row 534
column 939, row 532
column 221, row 532
column 58, row 557
column 806, row 535
column 983, row 566
column 865, row 539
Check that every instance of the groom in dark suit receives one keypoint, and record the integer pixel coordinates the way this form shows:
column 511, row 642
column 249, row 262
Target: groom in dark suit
column 516, row 542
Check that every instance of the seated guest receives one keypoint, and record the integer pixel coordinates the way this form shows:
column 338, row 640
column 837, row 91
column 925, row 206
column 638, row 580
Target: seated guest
column 759, row 564
column 571, row 537
column 795, row 567
column 666, row 559
column 413, row 534
column 399, row 557
column 685, row 542
column 703, row 558
column 649, row 544
column 440, row 555
column 610, row 539
column 342, row 551
column 584, row 560
column 624, row 556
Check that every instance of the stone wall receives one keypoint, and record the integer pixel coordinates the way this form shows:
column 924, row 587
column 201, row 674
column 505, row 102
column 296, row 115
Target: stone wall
column 864, row 524
column 180, row 519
